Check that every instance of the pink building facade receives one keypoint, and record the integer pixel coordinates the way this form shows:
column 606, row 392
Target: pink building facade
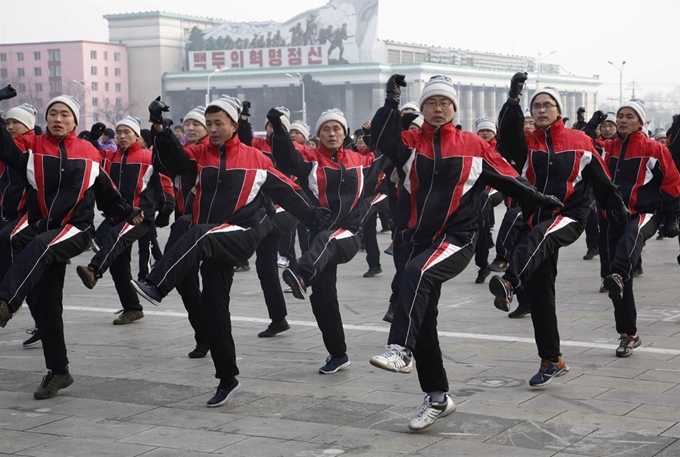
column 94, row 73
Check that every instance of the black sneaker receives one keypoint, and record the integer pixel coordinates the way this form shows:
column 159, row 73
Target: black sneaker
column 34, row 339
column 627, row 344
column 638, row 272
column 51, row 384
column 389, row 315
column 147, row 291
column 274, row 329
column 295, row 282
column 5, row 313
column 200, row 351
column 373, row 271
column 222, row 394
column 591, row 253
column 522, row 310
column 498, row 265
column 242, row 268
column 614, row 284
column 482, row 275
column 502, row 290
column 87, row 275
column 390, row 250
column 334, row 364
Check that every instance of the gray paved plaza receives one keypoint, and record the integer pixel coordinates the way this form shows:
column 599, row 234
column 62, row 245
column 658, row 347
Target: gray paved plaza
column 137, row 393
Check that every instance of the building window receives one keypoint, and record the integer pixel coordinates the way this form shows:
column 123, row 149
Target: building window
column 3, row 72
column 93, row 55
column 3, row 57
column 116, row 56
column 95, row 101
column 36, row 55
column 119, row 102
column 20, row 56
column 55, row 70
column 93, row 71
column 106, row 87
column 38, row 87
column 95, row 86
column 39, row 102
column 106, row 102
column 22, row 87
column 117, row 72
column 37, row 71
column 106, row 55
column 53, row 54
column 119, row 87
column 95, row 117
column 21, row 73
column 106, row 71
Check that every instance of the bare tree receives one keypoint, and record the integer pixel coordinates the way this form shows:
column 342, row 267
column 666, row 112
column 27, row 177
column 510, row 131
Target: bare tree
column 111, row 113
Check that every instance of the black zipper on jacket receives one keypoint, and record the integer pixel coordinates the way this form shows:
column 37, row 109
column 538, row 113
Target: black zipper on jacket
column 123, row 162
column 334, row 158
column 622, row 155
column 437, row 148
column 4, row 194
column 63, row 158
column 551, row 154
column 223, row 164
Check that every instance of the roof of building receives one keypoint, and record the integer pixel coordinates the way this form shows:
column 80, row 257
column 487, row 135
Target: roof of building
column 163, row 14
column 33, row 43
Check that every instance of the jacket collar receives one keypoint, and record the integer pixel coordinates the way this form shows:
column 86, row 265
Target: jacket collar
column 230, row 144
column 447, row 129
column 635, row 137
column 68, row 139
column 338, row 153
column 555, row 128
column 134, row 147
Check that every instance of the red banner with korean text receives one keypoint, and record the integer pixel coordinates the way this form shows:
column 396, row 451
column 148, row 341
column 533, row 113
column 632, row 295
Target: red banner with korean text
column 291, row 56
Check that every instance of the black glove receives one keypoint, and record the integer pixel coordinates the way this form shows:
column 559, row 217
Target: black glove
column 167, row 123
column 620, row 215
column 670, row 228
column 517, row 84
column 97, row 130
column 246, row 108
column 597, row 118
column 156, row 110
column 549, row 202
column 581, row 114
column 8, row 92
column 320, row 214
column 393, row 88
column 274, row 118
column 135, row 211
column 162, row 220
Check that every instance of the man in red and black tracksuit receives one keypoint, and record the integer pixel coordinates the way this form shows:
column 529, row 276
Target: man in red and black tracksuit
column 184, row 179
column 334, row 178
column 228, row 208
column 650, row 184
column 65, row 177
column 563, row 163
column 445, row 172
column 132, row 173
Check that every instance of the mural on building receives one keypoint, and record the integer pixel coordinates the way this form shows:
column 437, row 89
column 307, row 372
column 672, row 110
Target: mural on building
column 341, row 32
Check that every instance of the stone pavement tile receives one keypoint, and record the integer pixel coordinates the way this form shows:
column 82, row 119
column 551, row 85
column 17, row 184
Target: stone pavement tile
column 276, row 405
column 88, row 428
column 25, row 420
column 238, row 398
column 660, row 374
column 166, row 452
column 11, row 379
column 619, row 443
column 142, row 392
column 512, row 395
column 326, row 392
column 673, row 432
column 95, row 409
column 255, row 385
column 376, row 439
column 615, row 383
column 183, row 418
column 473, row 449
column 671, row 451
column 181, row 438
column 270, row 447
column 534, row 412
column 336, row 412
column 275, row 428
column 674, row 391
column 613, row 422
column 668, row 413
column 612, row 371
column 560, row 403
column 537, row 435
column 16, row 441
column 309, row 373
column 78, row 447
column 660, row 399
column 164, row 376
column 391, row 398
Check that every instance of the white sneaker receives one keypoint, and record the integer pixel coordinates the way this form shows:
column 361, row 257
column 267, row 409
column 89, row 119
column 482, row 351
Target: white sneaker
column 282, row 262
column 288, row 290
column 431, row 411
column 394, row 359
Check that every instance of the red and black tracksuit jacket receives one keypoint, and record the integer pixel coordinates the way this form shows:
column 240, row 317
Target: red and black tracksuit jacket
column 333, row 179
column 230, row 180
column 13, row 184
column 132, row 172
column 66, row 178
column 444, row 173
column 644, row 171
column 557, row 161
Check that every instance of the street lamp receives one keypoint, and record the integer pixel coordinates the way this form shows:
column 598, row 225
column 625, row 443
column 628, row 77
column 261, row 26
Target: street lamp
column 538, row 65
column 620, row 79
column 297, row 77
column 207, row 91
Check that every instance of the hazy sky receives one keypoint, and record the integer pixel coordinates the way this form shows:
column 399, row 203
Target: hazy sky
column 584, row 34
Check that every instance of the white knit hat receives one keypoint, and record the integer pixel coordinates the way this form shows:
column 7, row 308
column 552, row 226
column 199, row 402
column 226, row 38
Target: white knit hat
column 439, row 85
column 611, row 117
column 409, row 105
column 485, row 123
column 230, row 105
column 285, row 119
column 331, row 115
column 527, row 113
column 197, row 114
column 69, row 101
column 24, row 113
column 638, row 106
column 552, row 92
column 659, row 133
column 300, row 127
column 133, row 122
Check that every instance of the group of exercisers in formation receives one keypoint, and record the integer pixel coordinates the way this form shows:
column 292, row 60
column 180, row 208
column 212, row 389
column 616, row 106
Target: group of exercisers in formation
column 233, row 195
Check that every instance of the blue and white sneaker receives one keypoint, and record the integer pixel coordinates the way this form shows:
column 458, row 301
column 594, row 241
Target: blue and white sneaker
column 334, row 364
column 548, row 371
